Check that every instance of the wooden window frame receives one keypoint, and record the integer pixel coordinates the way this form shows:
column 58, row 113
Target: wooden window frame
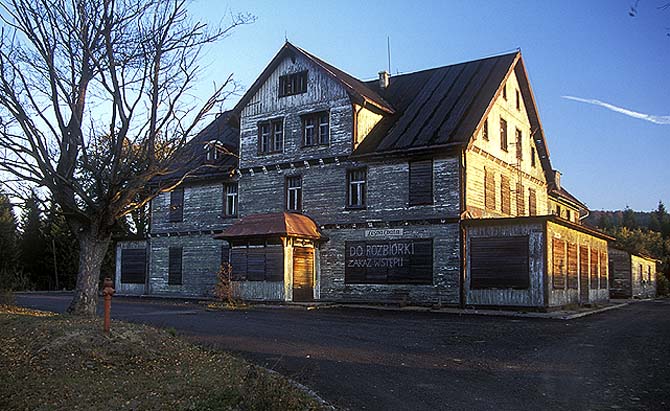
column 504, row 143
column 520, row 199
column 518, row 100
column 319, row 137
column 297, row 190
column 504, row 92
column 489, row 190
column 519, row 143
column 275, row 142
column 505, row 195
column 532, row 157
column 594, row 271
column 227, row 195
column 361, row 188
column 485, row 129
column 572, row 261
column 559, row 270
column 532, row 202
column 515, row 265
column 412, row 195
column 176, row 210
column 292, row 84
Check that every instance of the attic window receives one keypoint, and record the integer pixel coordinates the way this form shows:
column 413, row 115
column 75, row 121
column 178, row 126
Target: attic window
column 505, row 91
column 485, row 130
column 291, row 84
column 213, row 150
column 532, row 157
column 518, row 101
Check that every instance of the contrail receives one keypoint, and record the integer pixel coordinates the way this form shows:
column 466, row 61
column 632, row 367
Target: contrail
column 631, row 113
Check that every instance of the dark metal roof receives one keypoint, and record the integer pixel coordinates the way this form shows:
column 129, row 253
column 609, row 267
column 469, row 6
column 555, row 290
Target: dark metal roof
column 357, row 89
column 565, row 195
column 274, row 224
column 437, row 107
column 542, row 219
column 192, row 157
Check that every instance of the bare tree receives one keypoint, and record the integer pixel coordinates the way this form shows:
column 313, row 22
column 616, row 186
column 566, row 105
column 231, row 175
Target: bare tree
column 94, row 102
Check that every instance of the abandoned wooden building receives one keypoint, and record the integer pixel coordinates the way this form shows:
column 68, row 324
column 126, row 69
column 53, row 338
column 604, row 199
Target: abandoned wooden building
column 433, row 187
column 631, row 275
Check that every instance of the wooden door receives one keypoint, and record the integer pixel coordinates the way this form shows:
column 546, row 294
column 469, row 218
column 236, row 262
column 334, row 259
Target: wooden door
column 303, row 274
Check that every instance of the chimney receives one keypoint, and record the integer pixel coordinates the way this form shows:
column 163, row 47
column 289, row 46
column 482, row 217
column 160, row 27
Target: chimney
column 557, row 179
column 384, row 79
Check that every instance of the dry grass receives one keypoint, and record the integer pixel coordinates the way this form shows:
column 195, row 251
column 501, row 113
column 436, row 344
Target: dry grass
column 57, row 362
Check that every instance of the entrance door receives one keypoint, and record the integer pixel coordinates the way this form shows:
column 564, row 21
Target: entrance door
column 303, row 274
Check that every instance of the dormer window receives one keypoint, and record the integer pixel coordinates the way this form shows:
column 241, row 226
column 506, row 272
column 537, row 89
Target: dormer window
column 291, row 84
column 214, row 150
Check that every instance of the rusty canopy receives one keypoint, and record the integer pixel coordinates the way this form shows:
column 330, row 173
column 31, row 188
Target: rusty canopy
column 270, row 225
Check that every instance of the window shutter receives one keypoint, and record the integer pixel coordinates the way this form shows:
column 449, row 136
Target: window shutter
column 175, row 266
column 499, row 262
column 520, row 200
column 572, row 265
column 505, row 205
column 133, row 265
column 489, row 190
column 177, row 205
column 603, row 270
column 532, row 206
column 594, row 268
column 559, row 265
column 421, row 182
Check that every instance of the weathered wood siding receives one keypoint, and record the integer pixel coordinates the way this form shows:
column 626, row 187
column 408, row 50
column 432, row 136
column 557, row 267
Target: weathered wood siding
column 365, row 121
column 323, row 94
column 324, row 192
column 620, row 273
column 446, row 268
column 201, row 260
column 563, row 295
column 259, row 290
column 531, row 297
column 488, row 153
column 203, row 210
column 124, row 288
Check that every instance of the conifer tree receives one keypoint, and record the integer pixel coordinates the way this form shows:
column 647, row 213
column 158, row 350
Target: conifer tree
column 32, row 245
column 8, row 250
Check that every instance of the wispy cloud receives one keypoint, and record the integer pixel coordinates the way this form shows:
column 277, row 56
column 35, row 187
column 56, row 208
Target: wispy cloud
column 631, row 113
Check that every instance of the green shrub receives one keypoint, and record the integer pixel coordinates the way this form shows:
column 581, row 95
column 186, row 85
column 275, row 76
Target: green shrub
column 662, row 284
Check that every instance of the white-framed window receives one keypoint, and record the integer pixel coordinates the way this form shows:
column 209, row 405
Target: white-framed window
column 294, row 193
column 356, row 188
column 230, row 199
column 316, row 129
column 271, row 136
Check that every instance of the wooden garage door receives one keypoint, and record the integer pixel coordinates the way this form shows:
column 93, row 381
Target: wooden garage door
column 303, row 274
column 133, row 265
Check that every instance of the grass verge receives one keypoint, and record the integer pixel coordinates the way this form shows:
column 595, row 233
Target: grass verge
column 56, row 362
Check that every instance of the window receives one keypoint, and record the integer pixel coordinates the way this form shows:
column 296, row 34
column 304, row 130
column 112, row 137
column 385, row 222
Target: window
column 503, row 134
column 532, row 157
column 520, row 199
column 519, row 144
column 518, row 100
column 175, row 265
column 558, row 210
column 572, row 266
column 594, row 269
column 294, row 193
column 212, row 151
column 641, row 274
column 316, row 129
column 504, row 91
column 230, row 199
column 291, row 84
column 485, row 130
column 532, row 210
column 568, row 215
column 421, row 182
column 603, row 269
column 257, row 261
column 133, row 265
column 271, row 136
column 176, row 205
column 499, row 262
column 489, row 190
column 505, row 195
column 356, row 188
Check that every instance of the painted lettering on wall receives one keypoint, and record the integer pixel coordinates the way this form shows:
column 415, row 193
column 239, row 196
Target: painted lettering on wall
column 403, row 261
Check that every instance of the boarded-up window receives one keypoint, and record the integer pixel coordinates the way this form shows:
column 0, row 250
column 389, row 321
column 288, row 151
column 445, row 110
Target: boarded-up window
column 404, row 261
column 505, row 205
column 572, row 266
column 559, row 264
column 520, row 199
column 584, row 266
column 175, row 266
column 499, row 262
column 225, row 253
column 176, row 205
column 257, row 262
column 603, row 269
column 133, row 265
column 594, row 268
column 532, row 202
column 489, row 190
column 421, row 182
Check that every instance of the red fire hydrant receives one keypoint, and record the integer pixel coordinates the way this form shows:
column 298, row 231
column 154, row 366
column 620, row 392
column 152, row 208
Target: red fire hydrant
column 107, row 292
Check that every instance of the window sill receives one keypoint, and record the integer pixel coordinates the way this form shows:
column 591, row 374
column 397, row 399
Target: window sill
column 355, row 208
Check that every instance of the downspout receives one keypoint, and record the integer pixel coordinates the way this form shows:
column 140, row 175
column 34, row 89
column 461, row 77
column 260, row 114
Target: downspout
column 463, row 237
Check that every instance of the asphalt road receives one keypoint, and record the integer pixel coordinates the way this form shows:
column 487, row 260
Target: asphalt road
column 386, row 360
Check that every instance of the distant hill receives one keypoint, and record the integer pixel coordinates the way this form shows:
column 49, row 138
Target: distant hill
column 608, row 219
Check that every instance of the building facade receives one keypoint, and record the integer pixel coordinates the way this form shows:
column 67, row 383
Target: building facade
column 354, row 191
column 631, row 275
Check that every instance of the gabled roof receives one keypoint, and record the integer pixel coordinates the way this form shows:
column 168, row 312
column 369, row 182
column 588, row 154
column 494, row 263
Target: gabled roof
column 357, row 89
column 563, row 194
column 272, row 225
column 191, row 158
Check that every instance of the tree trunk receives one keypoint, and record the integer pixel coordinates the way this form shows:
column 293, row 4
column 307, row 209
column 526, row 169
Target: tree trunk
column 92, row 250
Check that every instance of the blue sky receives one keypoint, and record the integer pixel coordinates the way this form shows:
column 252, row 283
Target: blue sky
column 591, row 50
